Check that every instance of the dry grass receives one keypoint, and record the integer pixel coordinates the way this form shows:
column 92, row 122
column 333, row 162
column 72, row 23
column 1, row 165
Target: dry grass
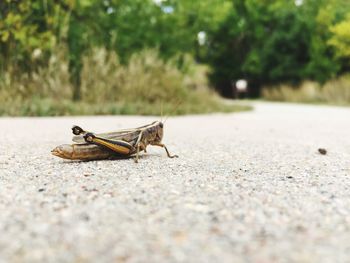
column 336, row 91
column 146, row 78
column 108, row 87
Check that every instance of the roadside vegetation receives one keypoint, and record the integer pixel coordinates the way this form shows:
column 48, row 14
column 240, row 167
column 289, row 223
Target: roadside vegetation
column 335, row 92
column 146, row 85
column 130, row 57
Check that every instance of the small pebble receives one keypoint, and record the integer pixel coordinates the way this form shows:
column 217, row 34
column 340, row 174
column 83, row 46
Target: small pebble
column 322, row 151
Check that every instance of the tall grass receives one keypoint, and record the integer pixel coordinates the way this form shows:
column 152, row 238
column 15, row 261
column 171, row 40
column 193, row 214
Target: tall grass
column 146, row 78
column 335, row 91
column 109, row 87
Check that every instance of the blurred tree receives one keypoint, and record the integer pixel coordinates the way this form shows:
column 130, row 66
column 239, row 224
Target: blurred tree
column 131, row 26
column 264, row 41
column 340, row 39
column 269, row 42
column 323, row 14
column 78, row 37
column 172, row 26
column 28, row 32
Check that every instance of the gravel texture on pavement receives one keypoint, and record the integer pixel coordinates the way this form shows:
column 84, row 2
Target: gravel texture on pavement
column 247, row 187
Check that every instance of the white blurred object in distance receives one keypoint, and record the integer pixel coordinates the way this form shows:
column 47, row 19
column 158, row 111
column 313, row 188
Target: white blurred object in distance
column 36, row 53
column 168, row 9
column 110, row 10
column 158, row 2
column 298, row 2
column 241, row 85
column 202, row 38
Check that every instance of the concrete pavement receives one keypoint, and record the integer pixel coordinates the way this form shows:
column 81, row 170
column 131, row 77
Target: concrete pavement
column 247, row 187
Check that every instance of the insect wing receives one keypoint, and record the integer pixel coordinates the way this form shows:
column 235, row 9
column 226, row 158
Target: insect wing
column 127, row 135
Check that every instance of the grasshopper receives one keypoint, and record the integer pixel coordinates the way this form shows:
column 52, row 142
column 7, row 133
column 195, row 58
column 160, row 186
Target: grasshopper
column 119, row 144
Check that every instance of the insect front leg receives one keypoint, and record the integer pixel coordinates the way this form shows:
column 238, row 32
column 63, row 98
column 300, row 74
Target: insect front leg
column 166, row 149
column 139, row 146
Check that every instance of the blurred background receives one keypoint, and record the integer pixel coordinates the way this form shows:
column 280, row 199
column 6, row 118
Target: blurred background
column 69, row 57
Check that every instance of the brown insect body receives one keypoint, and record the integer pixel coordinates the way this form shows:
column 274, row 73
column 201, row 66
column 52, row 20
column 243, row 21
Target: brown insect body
column 122, row 143
column 82, row 152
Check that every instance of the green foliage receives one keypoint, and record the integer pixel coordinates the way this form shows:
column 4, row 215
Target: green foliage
column 341, row 38
column 31, row 30
column 267, row 42
column 278, row 42
column 28, row 32
column 171, row 26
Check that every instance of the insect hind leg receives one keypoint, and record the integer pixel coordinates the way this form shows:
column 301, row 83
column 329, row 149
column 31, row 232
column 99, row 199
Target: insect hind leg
column 118, row 146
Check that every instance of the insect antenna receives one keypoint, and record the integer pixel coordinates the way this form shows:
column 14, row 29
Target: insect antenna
column 174, row 109
column 161, row 111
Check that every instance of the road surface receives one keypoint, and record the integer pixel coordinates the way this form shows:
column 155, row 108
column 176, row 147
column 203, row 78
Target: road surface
column 247, row 187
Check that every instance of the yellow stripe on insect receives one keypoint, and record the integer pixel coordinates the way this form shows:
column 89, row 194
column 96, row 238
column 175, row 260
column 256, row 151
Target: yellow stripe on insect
column 114, row 147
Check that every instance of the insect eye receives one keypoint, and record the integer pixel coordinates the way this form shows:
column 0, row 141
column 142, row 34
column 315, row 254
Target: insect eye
column 161, row 125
